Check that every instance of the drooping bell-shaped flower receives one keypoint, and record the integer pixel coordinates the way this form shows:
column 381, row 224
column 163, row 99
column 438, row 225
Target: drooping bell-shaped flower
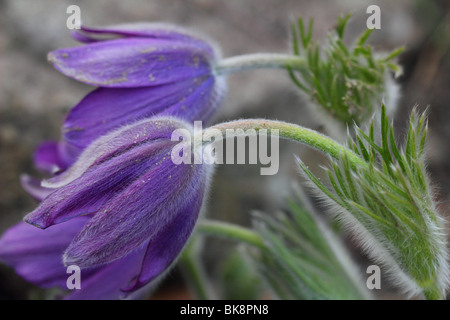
column 141, row 70
column 122, row 212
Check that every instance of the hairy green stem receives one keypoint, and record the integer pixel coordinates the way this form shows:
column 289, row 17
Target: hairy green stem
column 259, row 61
column 231, row 231
column 194, row 273
column 285, row 130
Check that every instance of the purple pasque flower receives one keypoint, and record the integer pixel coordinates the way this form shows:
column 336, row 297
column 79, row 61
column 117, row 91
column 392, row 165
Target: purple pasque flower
column 140, row 70
column 122, row 212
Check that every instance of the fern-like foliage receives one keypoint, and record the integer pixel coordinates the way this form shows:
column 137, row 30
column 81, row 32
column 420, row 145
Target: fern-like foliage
column 346, row 81
column 304, row 259
column 389, row 205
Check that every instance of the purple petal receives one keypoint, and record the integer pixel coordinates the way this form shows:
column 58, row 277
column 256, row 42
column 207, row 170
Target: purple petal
column 94, row 188
column 146, row 30
column 141, row 211
column 155, row 129
column 167, row 244
column 46, row 157
column 106, row 109
column 132, row 62
column 104, row 169
column 107, row 282
column 54, row 156
column 33, row 187
column 36, row 254
column 86, row 38
column 202, row 103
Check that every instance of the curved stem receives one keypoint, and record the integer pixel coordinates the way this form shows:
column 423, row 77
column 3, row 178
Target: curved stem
column 195, row 275
column 231, row 231
column 259, row 61
column 282, row 129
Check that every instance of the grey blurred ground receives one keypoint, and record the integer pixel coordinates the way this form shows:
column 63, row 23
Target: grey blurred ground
column 34, row 97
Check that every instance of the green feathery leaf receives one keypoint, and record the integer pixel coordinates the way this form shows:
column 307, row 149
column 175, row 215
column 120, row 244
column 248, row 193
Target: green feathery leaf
column 348, row 82
column 304, row 259
column 389, row 204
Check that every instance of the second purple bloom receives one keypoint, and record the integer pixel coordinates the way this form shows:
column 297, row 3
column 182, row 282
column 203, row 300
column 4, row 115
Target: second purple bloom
column 141, row 70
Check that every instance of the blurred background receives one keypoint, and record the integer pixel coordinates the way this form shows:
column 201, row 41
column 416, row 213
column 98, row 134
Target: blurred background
column 34, row 97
